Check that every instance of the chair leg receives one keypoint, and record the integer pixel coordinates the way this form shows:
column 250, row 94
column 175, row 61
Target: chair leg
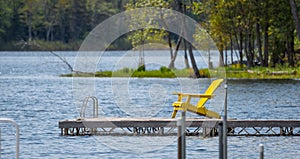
column 174, row 113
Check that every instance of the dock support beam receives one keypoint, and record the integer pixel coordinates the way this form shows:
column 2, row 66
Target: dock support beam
column 168, row 126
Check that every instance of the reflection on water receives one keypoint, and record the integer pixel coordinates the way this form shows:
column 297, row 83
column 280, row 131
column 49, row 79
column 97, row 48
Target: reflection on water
column 33, row 95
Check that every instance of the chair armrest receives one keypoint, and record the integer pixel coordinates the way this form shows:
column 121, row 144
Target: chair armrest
column 192, row 95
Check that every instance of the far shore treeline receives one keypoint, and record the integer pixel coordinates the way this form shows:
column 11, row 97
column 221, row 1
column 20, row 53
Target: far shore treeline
column 256, row 32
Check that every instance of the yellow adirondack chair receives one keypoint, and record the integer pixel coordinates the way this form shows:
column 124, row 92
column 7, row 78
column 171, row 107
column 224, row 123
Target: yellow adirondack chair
column 199, row 108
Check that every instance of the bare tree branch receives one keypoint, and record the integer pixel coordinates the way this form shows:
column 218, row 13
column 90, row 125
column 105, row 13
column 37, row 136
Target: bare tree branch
column 63, row 60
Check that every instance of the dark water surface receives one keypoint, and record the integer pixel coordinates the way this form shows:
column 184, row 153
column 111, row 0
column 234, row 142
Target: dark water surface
column 35, row 97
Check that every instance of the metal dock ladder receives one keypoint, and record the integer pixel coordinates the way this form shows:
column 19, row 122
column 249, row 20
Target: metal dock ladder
column 6, row 120
column 85, row 104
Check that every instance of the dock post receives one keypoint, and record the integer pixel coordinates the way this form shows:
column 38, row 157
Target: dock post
column 220, row 132
column 261, row 151
column 179, row 141
column 225, row 124
column 181, row 136
column 0, row 142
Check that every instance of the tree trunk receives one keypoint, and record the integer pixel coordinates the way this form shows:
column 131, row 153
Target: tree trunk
column 141, row 51
column 188, row 44
column 62, row 25
column 186, row 61
column 48, row 32
column 29, row 26
column 226, row 56
column 52, row 35
column 172, row 65
column 221, row 50
column 247, row 50
column 47, row 19
column 250, row 55
column 295, row 15
column 266, row 46
column 62, row 33
column 259, row 44
column 221, row 58
column 280, row 47
column 173, row 56
column 231, row 50
column 241, row 48
column 170, row 46
column 290, row 49
column 253, row 55
column 193, row 61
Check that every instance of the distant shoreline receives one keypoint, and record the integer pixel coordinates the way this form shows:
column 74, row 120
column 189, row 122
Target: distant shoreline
column 40, row 45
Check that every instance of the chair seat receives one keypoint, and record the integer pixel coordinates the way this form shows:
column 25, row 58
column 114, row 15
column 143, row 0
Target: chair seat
column 199, row 109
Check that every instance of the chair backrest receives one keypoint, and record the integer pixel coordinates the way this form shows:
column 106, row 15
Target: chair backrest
column 210, row 90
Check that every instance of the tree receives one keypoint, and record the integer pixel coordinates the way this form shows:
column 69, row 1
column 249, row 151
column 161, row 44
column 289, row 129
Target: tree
column 189, row 45
column 6, row 14
column 295, row 16
column 101, row 9
column 258, row 29
column 179, row 8
column 78, row 26
column 49, row 18
column 148, row 33
column 31, row 14
column 205, row 42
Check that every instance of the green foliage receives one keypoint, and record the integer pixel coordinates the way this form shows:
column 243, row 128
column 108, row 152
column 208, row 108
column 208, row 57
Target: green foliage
column 204, row 73
column 243, row 22
column 6, row 14
column 141, row 68
column 54, row 21
column 103, row 74
column 264, row 73
column 154, row 73
column 147, row 34
column 183, row 72
column 164, row 69
column 42, row 45
column 297, row 44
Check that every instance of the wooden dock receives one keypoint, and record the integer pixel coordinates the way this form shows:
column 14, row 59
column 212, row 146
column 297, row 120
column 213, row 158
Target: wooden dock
column 168, row 126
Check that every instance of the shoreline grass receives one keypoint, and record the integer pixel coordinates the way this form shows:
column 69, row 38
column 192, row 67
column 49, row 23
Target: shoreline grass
column 128, row 72
column 231, row 73
column 263, row 73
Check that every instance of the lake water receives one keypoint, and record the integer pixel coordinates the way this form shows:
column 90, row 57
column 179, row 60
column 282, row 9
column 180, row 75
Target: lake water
column 35, row 97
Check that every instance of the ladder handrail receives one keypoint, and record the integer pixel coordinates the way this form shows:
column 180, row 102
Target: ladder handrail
column 84, row 105
column 7, row 120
